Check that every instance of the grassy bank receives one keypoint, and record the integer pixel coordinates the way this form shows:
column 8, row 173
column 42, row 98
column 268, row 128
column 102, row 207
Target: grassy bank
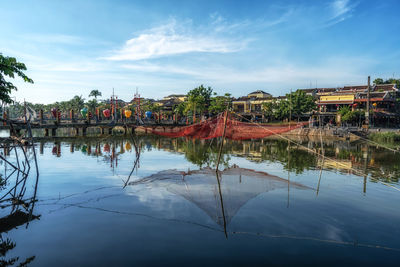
column 387, row 137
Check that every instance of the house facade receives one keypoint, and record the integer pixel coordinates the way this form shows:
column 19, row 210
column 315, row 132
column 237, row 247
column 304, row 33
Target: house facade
column 252, row 103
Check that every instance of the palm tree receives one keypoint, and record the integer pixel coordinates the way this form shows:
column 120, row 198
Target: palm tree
column 77, row 102
column 95, row 93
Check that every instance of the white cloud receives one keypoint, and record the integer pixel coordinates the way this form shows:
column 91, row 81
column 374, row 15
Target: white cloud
column 174, row 39
column 340, row 10
column 340, row 7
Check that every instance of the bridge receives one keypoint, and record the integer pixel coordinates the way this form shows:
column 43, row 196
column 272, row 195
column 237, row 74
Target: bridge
column 50, row 127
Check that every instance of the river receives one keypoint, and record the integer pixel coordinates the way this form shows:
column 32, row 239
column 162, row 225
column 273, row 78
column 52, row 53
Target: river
column 148, row 200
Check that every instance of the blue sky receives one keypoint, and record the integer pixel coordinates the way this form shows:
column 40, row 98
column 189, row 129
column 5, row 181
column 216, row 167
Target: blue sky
column 164, row 47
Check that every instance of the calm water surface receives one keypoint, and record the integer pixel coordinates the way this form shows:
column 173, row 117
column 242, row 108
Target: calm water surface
column 101, row 202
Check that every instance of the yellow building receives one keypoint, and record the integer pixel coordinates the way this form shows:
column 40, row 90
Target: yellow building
column 252, row 103
column 180, row 98
column 337, row 99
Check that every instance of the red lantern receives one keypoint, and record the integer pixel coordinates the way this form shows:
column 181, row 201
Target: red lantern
column 106, row 113
column 54, row 112
column 355, row 105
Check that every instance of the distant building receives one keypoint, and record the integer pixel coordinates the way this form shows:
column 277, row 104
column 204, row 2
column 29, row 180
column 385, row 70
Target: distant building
column 168, row 104
column 259, row 94
column 180, row 98
column 382, row 97
column 252, row 103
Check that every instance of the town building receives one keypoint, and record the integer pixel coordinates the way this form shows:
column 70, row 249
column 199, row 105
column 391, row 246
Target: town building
column 252, row 103
column 382, row 97
column 180, row 98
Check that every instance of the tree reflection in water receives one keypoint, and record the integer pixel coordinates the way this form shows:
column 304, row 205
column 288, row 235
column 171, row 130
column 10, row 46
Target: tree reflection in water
column 222, row 195
column 358, row 158
column 16, row 202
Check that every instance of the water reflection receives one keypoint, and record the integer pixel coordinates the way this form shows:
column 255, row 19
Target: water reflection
column 17, row 200
column 166, row 193
column 219, row 194
column 357, row 158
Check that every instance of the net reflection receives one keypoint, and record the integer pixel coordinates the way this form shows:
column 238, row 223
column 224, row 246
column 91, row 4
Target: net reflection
column 219, row 194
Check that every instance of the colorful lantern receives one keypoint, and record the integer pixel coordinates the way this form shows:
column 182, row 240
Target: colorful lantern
column 148, row 114
column 128, row 113
column 355, row 105
column 84, row 112
column 106, row 113
column 374, row 104
column 54, row 112
column 128, row 146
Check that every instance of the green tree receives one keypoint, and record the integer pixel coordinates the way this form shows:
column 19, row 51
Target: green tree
column 388, row 81
column 92, row 105
column 10, row 67
column 180, row 108
column 95, row 93
column 199, row 99
column 150, row 106
column 346, row 114
column 282, row 110
column 300, row 103
column 77, row 103
column 378, row 81
column 393, row 81
column 220, row 103
column 269, row 109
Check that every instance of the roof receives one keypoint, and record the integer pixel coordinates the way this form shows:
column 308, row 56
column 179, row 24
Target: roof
column 258, row 92
column 386, row 87
column 312, row 90
column 378, row 87
column 322, row 90
column 374, row 97
column 242, row 98
column 175, row 95
column 169, row 102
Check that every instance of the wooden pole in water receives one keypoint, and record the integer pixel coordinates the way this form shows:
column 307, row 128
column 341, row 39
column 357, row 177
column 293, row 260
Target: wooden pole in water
column 222, row 204
column 288, row 184
column 323, row 160
column 223, row 139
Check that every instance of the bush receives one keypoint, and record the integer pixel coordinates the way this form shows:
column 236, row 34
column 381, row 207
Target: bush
column 387, row 137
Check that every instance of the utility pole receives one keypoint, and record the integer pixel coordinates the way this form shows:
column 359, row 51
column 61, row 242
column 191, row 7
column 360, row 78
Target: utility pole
column 368, row 100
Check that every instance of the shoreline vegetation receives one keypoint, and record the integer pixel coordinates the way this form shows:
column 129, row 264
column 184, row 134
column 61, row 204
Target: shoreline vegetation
column 385, row 137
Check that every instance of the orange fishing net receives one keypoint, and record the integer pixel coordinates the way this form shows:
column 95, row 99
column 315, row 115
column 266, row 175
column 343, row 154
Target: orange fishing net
column 235, row 129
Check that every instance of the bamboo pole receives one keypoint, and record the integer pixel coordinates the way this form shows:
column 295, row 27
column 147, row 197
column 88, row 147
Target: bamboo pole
column 222, row 205
column 223, row 139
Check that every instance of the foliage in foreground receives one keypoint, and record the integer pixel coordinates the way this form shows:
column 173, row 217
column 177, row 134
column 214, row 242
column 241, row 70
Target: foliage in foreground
column 10, row 67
